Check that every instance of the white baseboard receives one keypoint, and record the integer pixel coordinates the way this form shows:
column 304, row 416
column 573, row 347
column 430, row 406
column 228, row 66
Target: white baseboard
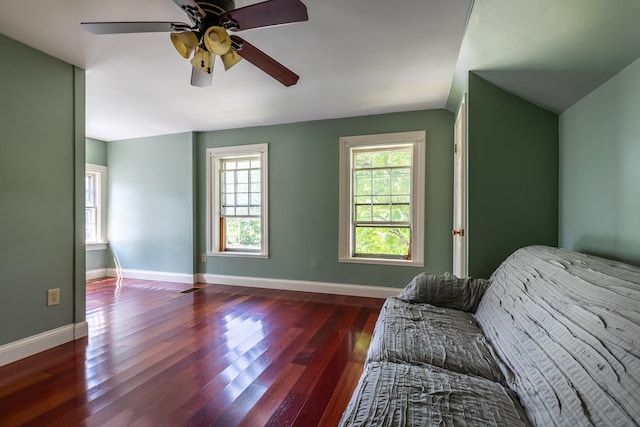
column 98, row 273
column 80, row 330
column 161, row 276
column 300, row 285
column 29, row 346
column 259, row 282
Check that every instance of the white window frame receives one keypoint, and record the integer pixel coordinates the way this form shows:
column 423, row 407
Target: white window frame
column 348, row 144
column 100, row 174
column 214, row 158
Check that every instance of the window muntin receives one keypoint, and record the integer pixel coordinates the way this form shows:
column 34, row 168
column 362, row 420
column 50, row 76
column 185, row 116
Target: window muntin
column 381, row 202
column 237, row 200
column 240, row 204
column 382, row 198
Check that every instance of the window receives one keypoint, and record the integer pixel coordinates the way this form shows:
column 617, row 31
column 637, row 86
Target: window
column 95, row 206
column 382, row 198
column 237, row 201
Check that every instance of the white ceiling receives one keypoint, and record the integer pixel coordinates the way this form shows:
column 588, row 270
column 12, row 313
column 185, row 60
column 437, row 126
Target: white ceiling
column 355, row 57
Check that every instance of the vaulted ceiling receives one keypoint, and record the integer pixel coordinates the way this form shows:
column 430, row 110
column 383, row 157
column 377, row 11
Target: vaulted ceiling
column 354, row 57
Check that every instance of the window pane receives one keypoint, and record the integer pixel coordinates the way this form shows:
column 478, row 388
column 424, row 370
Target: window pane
column 242, row 176
column 400, row 213
column 255, row 199
column 401, row 158
column 400, row 199
column 381, row 159
column 381, row 213
column 89, row 190
column 90, row 225
column 381, row 181
column 401, row 181
column 382, row 241
column 363, row 213
column 362, row 200
column 243, row 199
column 242, row 233
column 382, row 200
column 242, row 188
column 363, row 182
column 363, row 160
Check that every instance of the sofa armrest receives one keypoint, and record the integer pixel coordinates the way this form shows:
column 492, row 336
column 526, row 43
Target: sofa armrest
column 445, row 291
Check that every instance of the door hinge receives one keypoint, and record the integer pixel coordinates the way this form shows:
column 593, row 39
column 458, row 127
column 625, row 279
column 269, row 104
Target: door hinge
column 455, row 148
column 458, row 232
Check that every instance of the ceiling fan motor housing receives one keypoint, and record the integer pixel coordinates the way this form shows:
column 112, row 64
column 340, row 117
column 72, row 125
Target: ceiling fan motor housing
column 213, row 9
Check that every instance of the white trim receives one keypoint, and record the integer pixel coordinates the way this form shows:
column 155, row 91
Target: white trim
column 300, row 285
column 29, row 346
column 417, row 140
column 214, row 156
column 98, row 273
column 81, row 330
column 100, row 172
column 161, row 276
column 100, row 246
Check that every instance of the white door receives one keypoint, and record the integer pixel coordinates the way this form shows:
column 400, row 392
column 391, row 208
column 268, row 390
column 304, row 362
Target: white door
column 460, row 246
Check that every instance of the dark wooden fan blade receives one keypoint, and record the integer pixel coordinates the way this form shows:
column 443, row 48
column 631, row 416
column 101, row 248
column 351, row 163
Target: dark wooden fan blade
column 272, row 12
column 199, row 78
column 133, row 27
column 264, row 61
column 188, row 6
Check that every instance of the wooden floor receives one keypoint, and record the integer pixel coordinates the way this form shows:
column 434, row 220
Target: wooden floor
column 219, row 356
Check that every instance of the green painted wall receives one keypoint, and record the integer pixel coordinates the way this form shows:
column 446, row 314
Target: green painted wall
column 96, row 152
column 41, row 208
column 151, row 203
column 513, row 175
column 600, row 170
column 97, row 259
column 303, row 198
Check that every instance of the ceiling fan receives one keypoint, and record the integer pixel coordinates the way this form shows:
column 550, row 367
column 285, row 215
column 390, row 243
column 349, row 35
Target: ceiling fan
column 208, row 36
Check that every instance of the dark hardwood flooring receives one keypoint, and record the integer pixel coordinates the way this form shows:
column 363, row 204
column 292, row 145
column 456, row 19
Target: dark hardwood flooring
column 220, row 356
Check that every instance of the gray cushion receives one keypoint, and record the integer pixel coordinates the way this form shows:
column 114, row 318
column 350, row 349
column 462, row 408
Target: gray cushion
column 445, row 291
column 423, row 334
column 390, row 394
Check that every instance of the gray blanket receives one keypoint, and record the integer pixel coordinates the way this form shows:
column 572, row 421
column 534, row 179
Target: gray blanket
column 567, row 327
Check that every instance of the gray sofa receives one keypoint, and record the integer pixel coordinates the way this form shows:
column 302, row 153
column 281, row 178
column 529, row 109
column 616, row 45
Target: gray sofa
column 553, row 338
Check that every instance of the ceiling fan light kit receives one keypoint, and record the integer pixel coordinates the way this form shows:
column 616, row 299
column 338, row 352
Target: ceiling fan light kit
column 203, row 60
column 230, row 59
column 217, row 40
column 185, row 43
column 208, row 35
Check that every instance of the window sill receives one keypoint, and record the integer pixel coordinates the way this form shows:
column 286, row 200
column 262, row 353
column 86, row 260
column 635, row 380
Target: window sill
column 96, row 246
column 383, row 261
column 238, row 254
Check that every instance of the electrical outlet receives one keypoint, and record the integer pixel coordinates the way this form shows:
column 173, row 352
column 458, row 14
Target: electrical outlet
column 203, row 257
column 53, row 297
